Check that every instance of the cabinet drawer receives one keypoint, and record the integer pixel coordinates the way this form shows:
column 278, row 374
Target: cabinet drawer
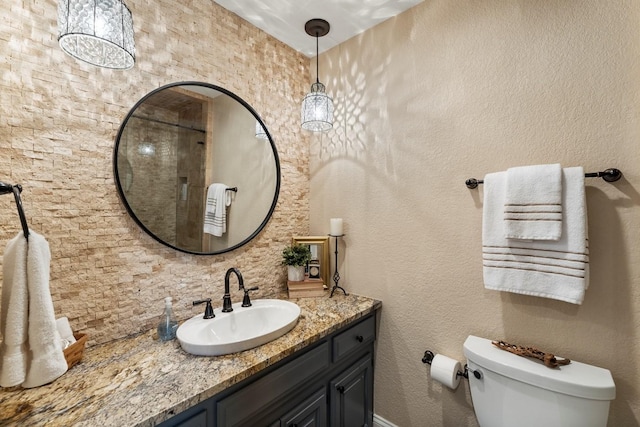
column 245, row 404
column 354, row 338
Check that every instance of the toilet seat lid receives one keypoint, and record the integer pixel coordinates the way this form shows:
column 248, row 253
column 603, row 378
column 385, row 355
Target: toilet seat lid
column 575, row 379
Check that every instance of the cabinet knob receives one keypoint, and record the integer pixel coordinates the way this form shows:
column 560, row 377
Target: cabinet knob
column 340, row 389
column 359, row 338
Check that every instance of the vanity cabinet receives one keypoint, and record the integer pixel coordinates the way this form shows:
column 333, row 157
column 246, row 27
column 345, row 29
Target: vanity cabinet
column 329, row 383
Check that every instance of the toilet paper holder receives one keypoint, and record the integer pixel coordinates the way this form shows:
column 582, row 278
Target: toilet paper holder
column 428, row 358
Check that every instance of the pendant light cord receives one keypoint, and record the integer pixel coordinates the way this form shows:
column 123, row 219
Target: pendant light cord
column 317, row 59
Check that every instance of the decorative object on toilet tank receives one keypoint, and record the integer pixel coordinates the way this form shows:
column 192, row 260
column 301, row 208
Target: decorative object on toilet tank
column 317, row 107
column 296, row 257
column 549, row 359
column 99, row 32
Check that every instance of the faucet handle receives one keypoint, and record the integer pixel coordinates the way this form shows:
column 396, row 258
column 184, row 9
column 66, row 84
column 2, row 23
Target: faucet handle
column 246, row 301
column 208, row 310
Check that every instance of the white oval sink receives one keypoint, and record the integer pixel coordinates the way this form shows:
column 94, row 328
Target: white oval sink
column 239, row 330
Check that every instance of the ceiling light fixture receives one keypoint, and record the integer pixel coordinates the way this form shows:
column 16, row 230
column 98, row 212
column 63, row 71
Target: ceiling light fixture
column 317, row 107
column 99, row 32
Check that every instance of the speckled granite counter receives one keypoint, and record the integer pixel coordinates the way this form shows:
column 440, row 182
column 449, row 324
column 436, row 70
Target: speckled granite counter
column 140, row 381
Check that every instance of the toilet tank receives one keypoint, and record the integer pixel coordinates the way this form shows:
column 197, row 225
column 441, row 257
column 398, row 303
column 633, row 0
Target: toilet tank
column 518, row 391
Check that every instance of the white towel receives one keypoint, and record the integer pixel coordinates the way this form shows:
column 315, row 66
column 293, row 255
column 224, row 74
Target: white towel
column 15, row 309
column 551, row 269
column 215, row 216
column 533, row 202
column 38, row 359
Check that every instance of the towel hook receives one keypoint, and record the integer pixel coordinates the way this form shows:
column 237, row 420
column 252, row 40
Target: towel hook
column 16, row 190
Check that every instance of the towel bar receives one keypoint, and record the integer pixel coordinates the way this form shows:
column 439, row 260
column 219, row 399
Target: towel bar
column 234, row 189
column 609, row 175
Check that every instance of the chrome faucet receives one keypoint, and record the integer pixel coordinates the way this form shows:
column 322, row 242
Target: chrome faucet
column 226, row 300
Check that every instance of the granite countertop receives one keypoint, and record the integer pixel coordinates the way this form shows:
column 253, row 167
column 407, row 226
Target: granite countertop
column 141, row 381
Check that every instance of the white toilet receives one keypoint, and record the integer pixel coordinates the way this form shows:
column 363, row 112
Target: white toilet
column 517, row 391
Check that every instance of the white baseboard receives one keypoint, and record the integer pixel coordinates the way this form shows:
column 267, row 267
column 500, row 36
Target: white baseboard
column 378, row 421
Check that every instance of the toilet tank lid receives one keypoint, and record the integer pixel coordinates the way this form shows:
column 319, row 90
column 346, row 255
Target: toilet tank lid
column 575, row 379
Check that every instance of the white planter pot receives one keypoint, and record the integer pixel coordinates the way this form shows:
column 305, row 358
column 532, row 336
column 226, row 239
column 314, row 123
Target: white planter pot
column 295, row 273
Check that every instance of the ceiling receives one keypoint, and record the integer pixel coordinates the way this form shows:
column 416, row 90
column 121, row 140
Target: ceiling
column 285, row 19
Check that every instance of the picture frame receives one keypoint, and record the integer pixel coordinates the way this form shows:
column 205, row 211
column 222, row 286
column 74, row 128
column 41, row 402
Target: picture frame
column 319, row 246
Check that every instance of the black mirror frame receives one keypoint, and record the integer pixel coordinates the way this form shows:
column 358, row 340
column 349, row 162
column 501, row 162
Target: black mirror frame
column 124, row 199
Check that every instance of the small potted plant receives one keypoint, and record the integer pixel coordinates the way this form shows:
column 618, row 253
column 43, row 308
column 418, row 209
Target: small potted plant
column 296, row 257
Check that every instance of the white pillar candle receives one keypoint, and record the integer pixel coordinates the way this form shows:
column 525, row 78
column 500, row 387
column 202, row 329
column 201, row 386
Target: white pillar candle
column 336, row 227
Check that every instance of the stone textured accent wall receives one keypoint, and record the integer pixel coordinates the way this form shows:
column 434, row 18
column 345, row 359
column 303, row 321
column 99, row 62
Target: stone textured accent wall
column 58, row 121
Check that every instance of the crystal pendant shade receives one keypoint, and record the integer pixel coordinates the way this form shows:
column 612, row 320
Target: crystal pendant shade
column 317, row 109
column 99, row 32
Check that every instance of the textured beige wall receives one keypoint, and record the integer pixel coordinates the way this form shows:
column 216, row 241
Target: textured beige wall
column 58, row 121
column 453, row 90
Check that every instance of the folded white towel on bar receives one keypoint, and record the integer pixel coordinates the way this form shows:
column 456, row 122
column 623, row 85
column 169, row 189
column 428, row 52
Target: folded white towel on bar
column 550, row 269
column 533, row 202
column 215, row 217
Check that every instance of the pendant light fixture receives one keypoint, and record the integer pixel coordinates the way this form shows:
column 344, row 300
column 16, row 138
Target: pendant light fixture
column 317, row 107
column 99, row 32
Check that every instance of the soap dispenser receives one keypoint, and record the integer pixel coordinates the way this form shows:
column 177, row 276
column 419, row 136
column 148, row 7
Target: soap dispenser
column 168, row 325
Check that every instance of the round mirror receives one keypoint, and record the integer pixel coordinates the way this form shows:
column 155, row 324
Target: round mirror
column 196, row 168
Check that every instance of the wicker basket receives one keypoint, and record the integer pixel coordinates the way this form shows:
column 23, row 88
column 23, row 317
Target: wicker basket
column 73, row 353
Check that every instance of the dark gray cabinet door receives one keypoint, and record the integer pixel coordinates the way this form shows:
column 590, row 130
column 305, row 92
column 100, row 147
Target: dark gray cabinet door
column 352, row 396
column 310, row 413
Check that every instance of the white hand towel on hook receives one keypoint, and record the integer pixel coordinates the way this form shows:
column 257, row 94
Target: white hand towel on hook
column 533, row 203
column 550, row 269
column 15, row 309
column 46, row 362
column 31, row 352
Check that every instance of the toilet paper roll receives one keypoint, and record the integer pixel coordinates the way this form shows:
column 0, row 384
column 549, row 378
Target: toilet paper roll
column 64, row 329
column 445, row 370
